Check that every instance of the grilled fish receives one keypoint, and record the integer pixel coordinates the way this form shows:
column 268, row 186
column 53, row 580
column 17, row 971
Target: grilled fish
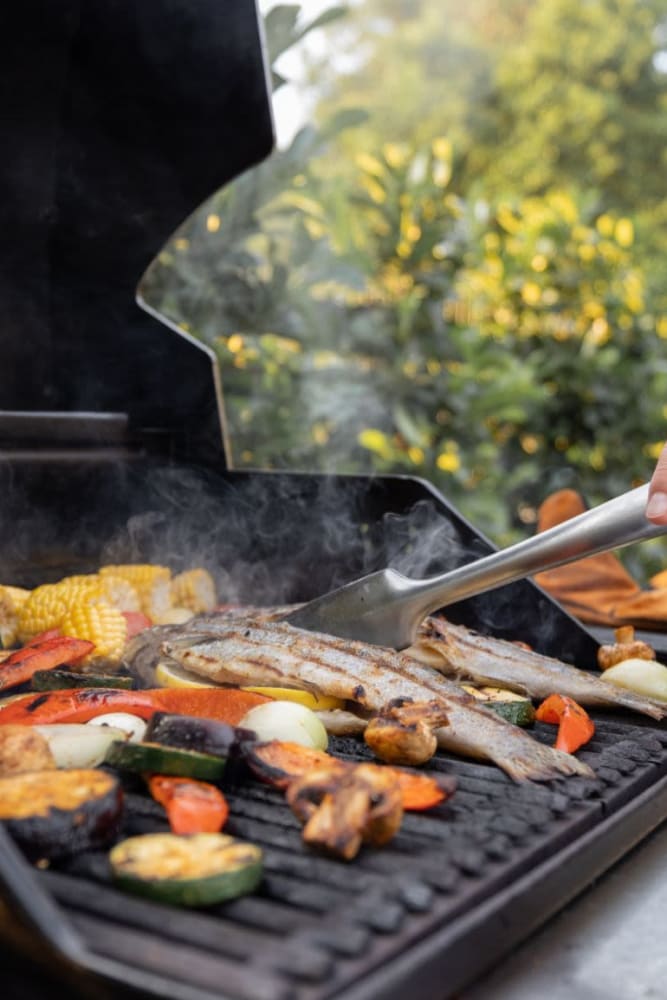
column 276, row 653
column 459, row 653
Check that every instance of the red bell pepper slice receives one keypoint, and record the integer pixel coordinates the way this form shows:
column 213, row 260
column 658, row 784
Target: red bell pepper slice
column 279, row 762
column 44, row 655
column 191, row 806
column 81, row 704
column 51, row 633
column 575, row 727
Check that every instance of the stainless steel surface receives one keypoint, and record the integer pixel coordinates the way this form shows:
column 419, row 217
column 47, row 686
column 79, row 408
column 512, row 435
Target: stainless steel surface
column 386, row 608
column 607, row 945
column 53, row 427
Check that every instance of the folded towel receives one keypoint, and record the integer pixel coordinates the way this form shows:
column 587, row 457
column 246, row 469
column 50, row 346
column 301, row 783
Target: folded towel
column 598, row 589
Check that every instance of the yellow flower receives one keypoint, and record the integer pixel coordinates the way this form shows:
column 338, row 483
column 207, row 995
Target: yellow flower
column 564, row 205
column 213, row 223
column 531, row 293
column 235, row 343
column 624, row 233
column 370, row 164
column 605, row 225
column 596, row 458
column 593, row 309
column 507, row 219
column 395, row 154
column 448, row 461
column 441, row 173
column 530, row 443
column 376, row 441
column 599, row 332
column 374, row 190
column 320, row 433
column 442, row 148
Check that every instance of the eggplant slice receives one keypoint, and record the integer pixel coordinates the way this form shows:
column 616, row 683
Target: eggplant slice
column 53, row 814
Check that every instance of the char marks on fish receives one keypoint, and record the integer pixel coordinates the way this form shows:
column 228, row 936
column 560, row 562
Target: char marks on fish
column 465, row 655
column 248, row 652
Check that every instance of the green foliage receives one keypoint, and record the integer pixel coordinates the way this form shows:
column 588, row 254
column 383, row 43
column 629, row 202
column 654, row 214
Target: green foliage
column 499, row 333
column 579, row 100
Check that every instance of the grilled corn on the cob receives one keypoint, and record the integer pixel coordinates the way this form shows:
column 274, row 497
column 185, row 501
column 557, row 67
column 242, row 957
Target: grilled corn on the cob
column 91, row 606
column 78, row 606
column 194, row 589
column 98, row 621
column 11, row 601
column 46, row 606
column 151, row 582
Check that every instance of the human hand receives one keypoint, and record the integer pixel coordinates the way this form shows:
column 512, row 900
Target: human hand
column 656, row 509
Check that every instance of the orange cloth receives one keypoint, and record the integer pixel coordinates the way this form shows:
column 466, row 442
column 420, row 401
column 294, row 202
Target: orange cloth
column 598, row 589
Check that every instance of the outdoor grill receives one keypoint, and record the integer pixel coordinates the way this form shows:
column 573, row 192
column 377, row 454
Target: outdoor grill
column 112, row 448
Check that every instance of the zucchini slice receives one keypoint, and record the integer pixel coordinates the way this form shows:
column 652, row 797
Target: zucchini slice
column 512, row 707
column 199, row 870
column 52, row 814
column 55, row 680
column 154, row 758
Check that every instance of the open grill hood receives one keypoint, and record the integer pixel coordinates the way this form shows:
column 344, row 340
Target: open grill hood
column 120, row 119
column 126, row 117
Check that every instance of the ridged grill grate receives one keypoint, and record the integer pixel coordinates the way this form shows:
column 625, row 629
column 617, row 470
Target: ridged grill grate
column 318, row 926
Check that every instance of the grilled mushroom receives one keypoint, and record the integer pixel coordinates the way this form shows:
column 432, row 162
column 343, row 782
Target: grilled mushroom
column 626, row 647
column 343, row 809
column 404, row 732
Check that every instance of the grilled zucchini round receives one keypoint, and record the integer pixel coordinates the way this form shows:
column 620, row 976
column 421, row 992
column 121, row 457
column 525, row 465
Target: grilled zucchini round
column 201, row 870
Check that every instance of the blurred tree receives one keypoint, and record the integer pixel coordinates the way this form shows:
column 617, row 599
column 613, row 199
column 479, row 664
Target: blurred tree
column 378, row 304
column 581, row 99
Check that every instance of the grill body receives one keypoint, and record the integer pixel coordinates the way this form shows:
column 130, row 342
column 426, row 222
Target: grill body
column 112, row 449
column 455, row 890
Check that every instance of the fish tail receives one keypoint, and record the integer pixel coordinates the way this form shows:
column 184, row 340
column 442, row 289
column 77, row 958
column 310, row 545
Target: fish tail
column 628, row 699
column 544, row 766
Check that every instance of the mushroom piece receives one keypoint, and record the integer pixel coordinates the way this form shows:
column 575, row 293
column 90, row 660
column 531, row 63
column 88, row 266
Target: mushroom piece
column 23, row 749
column 626, row 647
column 404, row 731
column 343, row 809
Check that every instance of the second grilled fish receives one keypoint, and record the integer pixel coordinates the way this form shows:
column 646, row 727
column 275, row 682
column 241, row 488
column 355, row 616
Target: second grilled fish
column 465, row 655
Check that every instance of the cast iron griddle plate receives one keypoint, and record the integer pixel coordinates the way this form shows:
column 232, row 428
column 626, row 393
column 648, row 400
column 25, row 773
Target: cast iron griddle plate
column 459, row 884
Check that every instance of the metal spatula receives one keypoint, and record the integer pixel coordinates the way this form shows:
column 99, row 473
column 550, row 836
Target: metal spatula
column 386, row 608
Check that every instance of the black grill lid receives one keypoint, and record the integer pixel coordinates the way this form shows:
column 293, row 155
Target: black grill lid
column 119, row 119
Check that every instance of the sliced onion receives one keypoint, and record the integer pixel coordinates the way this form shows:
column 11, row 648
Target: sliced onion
column 286, row 720
column 133, row 726
column 78, row 745
column 646, row 677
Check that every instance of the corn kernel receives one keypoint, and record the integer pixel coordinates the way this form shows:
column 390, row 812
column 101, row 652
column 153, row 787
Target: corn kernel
column 99, row 622
column 151, row 582
column 12, row 600
column 194, row 589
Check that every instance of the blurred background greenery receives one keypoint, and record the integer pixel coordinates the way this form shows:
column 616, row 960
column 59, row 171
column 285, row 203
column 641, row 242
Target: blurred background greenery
column 456, row 268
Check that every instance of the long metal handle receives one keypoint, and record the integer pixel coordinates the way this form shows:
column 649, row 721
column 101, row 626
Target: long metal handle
column 609, row 526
